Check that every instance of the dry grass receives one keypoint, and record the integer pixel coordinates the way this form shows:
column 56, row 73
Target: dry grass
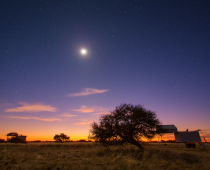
column 92, row 156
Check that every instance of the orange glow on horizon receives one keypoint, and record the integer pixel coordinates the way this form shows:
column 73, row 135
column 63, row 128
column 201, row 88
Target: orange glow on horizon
column 48, row 138
column 75, row 138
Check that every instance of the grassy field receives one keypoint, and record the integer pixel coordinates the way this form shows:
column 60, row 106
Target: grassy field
column 87, row 155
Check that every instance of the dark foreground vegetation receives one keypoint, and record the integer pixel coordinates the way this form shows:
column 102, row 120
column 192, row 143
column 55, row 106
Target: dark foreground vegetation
column 89, row 155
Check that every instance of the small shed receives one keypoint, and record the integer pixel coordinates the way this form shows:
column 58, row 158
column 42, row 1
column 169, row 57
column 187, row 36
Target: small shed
column 192, row 136
column 22, row 138
column 15, row 135
column 11, row 134
column 187, row 137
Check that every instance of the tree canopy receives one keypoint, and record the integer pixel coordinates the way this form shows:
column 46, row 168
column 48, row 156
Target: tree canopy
column 61, row 138
column 127, row 123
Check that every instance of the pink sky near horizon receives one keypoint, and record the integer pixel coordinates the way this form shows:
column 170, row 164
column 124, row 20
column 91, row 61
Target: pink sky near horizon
column 39, row 121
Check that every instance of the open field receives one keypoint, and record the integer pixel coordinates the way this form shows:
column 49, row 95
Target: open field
column 87, row 155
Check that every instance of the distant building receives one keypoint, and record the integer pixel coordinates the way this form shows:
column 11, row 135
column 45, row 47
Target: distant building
column 15, row 135
column 187, row 137
column 167, row 128
column 183, row 137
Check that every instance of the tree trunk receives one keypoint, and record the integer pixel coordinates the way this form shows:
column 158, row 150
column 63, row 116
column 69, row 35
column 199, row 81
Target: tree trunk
column 138, row 145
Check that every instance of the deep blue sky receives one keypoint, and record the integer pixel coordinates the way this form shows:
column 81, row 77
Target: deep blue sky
column 153, row 53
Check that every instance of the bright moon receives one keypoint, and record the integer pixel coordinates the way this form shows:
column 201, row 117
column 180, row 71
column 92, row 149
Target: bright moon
column 83, row 51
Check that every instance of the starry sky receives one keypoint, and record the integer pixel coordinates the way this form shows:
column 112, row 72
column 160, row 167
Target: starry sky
column 147, row 52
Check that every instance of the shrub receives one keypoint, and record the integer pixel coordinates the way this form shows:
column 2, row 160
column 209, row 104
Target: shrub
column 2, row 140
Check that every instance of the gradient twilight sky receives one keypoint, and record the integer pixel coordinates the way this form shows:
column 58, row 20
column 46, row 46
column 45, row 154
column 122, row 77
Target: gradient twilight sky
column 148, row 52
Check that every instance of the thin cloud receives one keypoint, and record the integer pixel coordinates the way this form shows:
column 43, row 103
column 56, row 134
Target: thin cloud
column 88, row 91
column 26, row 107
column 84, row 122
column 94, row 110
column 85, row 109
column 101, row 113
column 68, row 115
column 36, row 118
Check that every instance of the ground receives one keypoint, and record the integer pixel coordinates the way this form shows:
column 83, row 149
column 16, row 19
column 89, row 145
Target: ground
column 88, row 155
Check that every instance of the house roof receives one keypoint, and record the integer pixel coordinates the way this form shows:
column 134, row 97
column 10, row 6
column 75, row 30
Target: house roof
column 12, row 134
column 167, row 128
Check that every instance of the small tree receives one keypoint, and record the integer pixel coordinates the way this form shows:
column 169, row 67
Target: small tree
column 61, row 138
column 127, row 123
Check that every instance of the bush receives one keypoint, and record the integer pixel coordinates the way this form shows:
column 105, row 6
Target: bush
column 2, row 140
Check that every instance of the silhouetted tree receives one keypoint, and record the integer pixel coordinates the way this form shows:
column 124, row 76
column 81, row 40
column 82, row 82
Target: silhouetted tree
column 61, row 138
column 127, row 123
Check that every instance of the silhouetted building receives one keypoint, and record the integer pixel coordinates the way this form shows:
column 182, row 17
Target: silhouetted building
column 167, row 128
column 182, row 137
column 15, row 135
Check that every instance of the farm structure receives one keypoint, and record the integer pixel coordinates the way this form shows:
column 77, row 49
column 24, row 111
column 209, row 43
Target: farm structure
column 167, row 128
column 187, row 137
column 15, row 135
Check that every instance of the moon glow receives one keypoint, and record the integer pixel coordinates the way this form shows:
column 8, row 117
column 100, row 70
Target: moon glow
column 83, row 51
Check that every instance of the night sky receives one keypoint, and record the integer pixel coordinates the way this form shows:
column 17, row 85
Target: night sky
column 147, row 52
